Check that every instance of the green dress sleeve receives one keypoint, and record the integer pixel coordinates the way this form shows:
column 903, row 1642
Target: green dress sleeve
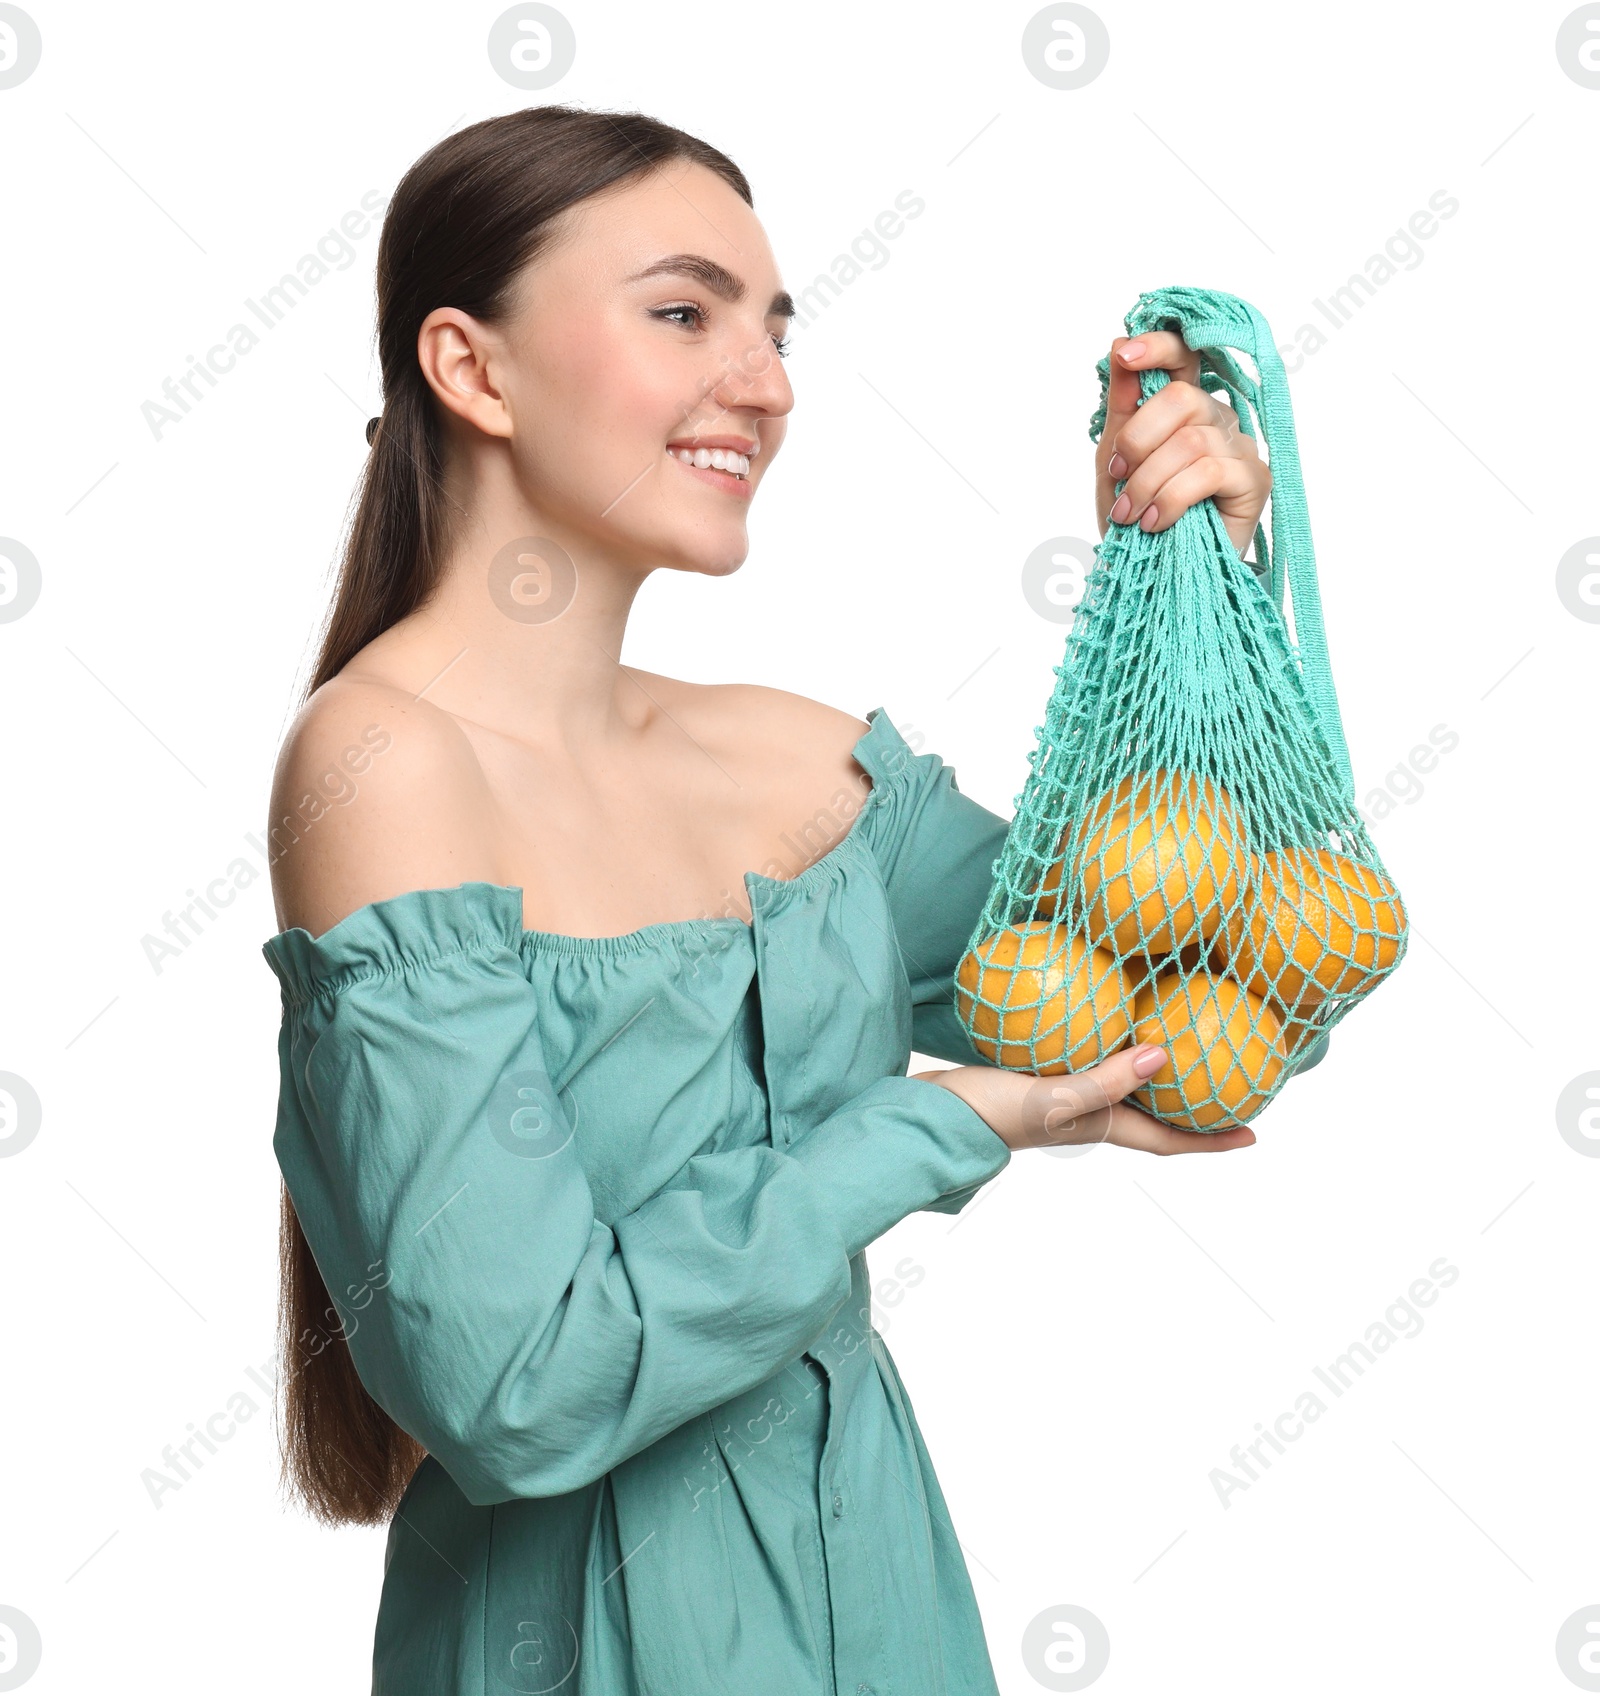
column 937, row 850
column 527, row 1339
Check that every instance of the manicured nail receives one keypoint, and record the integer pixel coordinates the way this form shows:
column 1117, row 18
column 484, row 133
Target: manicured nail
column 1131, row 350
column 1117, row 465
column 1147, row 518
column 1148, row 1060
column 1119, row 512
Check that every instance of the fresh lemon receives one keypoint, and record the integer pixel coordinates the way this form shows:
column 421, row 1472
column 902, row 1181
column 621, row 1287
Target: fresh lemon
column 1039, row 1000
column 1313, row 924
column 1224, row 1050
column 1159, row 865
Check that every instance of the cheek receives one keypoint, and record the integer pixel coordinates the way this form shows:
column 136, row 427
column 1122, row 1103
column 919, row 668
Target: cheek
column 618, row 373
column 624, row 402
column 598, row 419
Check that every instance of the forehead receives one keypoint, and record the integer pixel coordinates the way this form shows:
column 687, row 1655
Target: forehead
column 681, row 208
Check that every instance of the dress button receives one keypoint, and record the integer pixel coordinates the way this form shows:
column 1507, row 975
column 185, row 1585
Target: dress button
column 838, row 1506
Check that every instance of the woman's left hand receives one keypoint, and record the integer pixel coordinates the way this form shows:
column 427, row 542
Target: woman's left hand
column 1180, row 446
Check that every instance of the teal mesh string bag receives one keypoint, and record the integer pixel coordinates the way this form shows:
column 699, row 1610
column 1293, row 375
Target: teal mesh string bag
column 1186, row 864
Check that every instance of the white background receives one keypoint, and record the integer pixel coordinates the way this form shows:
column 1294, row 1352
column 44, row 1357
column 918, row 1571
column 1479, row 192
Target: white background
column 1093, row 1337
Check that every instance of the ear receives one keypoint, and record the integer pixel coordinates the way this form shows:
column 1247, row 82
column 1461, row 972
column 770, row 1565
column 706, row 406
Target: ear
column 455, row 351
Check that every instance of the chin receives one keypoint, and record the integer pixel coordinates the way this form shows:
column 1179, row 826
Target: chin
column 710, row 557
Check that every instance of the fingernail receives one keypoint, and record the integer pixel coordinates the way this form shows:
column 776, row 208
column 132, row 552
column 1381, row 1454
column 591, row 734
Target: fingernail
column 1131, row 350
column 1120, row 511
column 1147, row 518
column 1117, row 465
column 1148, row 1060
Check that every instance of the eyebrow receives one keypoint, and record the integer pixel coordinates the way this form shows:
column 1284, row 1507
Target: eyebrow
column 718, row 278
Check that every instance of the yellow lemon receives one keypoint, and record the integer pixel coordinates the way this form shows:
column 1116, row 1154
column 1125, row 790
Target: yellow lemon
column 1224, row 1050
column 1313, row 924
column 1048, row 895
column 1039, row 1000
column 1158, row 871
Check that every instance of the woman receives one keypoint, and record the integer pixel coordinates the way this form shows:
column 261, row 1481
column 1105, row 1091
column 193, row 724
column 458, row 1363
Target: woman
column 585, row 1126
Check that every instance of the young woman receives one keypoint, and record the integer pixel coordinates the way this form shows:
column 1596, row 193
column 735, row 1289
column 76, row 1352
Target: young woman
column 599, row 987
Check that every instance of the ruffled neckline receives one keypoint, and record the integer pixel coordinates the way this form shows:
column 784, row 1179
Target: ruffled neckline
column 424, row 926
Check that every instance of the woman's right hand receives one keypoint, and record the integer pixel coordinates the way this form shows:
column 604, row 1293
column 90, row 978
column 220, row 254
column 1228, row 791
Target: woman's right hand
column 1025, row 1111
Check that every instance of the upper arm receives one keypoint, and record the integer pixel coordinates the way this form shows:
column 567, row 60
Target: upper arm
column 375, row 793
column 937, row 848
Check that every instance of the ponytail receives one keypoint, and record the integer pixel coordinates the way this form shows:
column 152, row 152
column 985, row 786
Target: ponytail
column 466, row 219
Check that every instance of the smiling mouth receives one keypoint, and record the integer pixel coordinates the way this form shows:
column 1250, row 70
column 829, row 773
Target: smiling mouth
column 725, row 460
column 731, row 482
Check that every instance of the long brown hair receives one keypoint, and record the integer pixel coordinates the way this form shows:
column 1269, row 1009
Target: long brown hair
column 464, row 221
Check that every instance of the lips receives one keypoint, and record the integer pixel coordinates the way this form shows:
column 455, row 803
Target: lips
column 724, row 459
column 725, row 480
column 734, row 444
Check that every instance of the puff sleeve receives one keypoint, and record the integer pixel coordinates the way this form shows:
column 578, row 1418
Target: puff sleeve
column 937, row 850
column 528, row 1342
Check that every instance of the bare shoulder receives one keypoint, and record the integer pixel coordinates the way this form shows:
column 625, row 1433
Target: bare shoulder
column 769, row 723
column 375, row 793
column 812, row 727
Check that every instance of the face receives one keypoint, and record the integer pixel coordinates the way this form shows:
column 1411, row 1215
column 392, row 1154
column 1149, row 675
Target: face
column 645, row 338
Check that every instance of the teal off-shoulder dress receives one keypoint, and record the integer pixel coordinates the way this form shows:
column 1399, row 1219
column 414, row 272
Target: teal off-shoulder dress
column 595, row 1213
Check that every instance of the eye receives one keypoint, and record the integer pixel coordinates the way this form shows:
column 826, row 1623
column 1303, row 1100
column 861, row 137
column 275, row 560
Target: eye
column 671, row 312
column 676, row 314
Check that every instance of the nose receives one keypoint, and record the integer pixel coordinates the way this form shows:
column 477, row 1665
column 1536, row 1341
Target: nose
column 754, row 381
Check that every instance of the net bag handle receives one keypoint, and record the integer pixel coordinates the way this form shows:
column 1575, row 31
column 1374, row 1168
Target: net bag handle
column 1212, row 323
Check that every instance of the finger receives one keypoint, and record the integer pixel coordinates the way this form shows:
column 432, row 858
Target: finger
column 1160, row 350
column 1122, row 399
column 1192, row 444
column 1077, row 1107
column 1155, row 350
column 1225, row 479
column 1237, row 487
column 1164, row 414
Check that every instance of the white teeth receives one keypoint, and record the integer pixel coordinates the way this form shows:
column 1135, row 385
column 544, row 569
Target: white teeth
column 718, row 459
